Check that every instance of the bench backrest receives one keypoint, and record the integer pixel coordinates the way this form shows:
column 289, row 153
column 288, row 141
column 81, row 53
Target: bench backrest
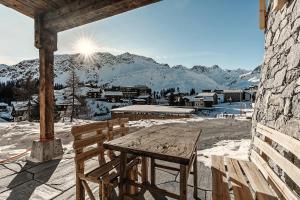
column 264, row 153
column 89, row 138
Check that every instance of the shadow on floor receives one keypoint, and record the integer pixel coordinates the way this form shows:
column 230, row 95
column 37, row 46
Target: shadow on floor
column 21, row 190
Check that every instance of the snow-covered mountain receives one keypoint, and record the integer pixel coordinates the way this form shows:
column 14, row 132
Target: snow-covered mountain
column 128, row 70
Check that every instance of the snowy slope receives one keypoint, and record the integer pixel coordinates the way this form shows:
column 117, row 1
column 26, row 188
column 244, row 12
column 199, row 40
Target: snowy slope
column 128, row 69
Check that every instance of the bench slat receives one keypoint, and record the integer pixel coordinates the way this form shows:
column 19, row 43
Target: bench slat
column 78, row 144
column 257, row 181
column 219, row 180
column 87, row 128
column 100, row 171
column 271, row 176
column 286, row 141
column 240, row 187
column 289, row 168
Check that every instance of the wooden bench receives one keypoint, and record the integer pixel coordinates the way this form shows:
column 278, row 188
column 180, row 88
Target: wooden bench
column 256, row 179
column 88, row 143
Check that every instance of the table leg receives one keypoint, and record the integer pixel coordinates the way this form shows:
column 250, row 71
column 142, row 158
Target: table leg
column 152, row 171
column 145, row 170
column 123, row 175
column 183, row 182
column 195, row 176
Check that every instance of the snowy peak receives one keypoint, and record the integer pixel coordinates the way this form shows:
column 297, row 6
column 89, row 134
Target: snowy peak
column 129, row 69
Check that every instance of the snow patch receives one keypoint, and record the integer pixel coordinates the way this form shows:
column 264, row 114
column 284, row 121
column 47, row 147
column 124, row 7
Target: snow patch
column 237, row 149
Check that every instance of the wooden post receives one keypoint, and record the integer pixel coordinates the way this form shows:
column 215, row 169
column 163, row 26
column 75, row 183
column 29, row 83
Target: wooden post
column 262, row 14
column 195, row 169
column 183, row 182
column 46, row 42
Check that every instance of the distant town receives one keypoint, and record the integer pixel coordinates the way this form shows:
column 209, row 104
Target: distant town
column 89, row 101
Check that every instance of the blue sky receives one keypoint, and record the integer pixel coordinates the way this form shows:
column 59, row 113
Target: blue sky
column 187, row 32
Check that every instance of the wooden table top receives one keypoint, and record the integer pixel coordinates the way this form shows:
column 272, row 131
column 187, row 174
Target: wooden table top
column 165, row 142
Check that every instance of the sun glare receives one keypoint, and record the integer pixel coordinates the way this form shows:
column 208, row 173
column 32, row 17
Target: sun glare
column 86, row 47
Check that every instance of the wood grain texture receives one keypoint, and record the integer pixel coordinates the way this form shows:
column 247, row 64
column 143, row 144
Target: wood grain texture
column 220, row 189
column 286, row 141
column 288, row 167
column 257, row 181
column 240, row 187
column 270, row 175
column 160, row 142
column 60, row 15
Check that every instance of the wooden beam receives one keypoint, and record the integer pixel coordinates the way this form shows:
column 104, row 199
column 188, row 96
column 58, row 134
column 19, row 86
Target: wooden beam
column 262, row 14
column 46, row 42
column 82, row 12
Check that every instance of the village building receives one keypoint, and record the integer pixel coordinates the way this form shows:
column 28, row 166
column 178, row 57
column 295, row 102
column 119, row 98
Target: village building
column 137, row 112
column 23, row 110
column 94, row 93
column 206, row 99
column 234, row 95
column 220, row 94
column 113, row 96
column 189, row 101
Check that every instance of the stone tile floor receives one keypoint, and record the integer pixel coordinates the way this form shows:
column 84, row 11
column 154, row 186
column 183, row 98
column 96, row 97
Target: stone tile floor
column 22, row 180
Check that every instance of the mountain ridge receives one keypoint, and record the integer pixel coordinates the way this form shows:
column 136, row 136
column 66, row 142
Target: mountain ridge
column 130, row 69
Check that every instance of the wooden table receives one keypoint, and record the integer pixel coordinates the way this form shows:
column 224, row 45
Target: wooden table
column 172, row 144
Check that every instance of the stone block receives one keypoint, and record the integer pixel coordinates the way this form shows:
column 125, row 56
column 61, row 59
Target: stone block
column 46, row 150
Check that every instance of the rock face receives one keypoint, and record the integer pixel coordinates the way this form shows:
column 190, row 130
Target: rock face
column 278, row 99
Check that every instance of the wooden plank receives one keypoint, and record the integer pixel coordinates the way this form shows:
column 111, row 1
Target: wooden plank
column 174, row 144
column 219, row 180
column 289, row 143
column 87, row 128
column 289, row 168
column 88, row 154
column 239, row 184
column 270, row 175
column 100, row 171
column 123, row 175
column 88, row 141
column 79, row 12
column 262, row 14
column 257, row 181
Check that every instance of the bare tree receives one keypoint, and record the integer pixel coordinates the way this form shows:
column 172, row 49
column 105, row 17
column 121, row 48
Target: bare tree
column 73, row 83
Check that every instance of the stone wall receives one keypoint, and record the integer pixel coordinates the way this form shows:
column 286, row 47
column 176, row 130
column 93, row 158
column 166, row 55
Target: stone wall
column 278, row 99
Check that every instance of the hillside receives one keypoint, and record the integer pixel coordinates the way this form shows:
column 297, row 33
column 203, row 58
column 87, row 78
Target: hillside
column 128, row 70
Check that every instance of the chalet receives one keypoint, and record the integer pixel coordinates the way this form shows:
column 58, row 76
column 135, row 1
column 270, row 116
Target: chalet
column 132, row 92
column 189, row 101
column 94, row 93
column 220, row 94
column 63, row 101
column 146, row 97
column 234, row 95
column 22, row 109
column 206, row 99
column 113, row 96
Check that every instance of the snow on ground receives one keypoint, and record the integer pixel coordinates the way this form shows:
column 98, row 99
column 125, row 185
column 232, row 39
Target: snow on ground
column 155, row 122
column 237, row 149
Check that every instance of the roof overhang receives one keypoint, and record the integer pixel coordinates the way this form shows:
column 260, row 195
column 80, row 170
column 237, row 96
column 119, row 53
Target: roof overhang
column 61, row 15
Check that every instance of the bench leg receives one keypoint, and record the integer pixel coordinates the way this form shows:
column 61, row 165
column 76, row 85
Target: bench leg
column 183, row 182
column 152, row 171
column 80, row 195
column 144, row 170
column 123, row 175
column 195, row 176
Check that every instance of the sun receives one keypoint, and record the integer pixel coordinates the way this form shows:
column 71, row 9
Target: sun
column 86, row 47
